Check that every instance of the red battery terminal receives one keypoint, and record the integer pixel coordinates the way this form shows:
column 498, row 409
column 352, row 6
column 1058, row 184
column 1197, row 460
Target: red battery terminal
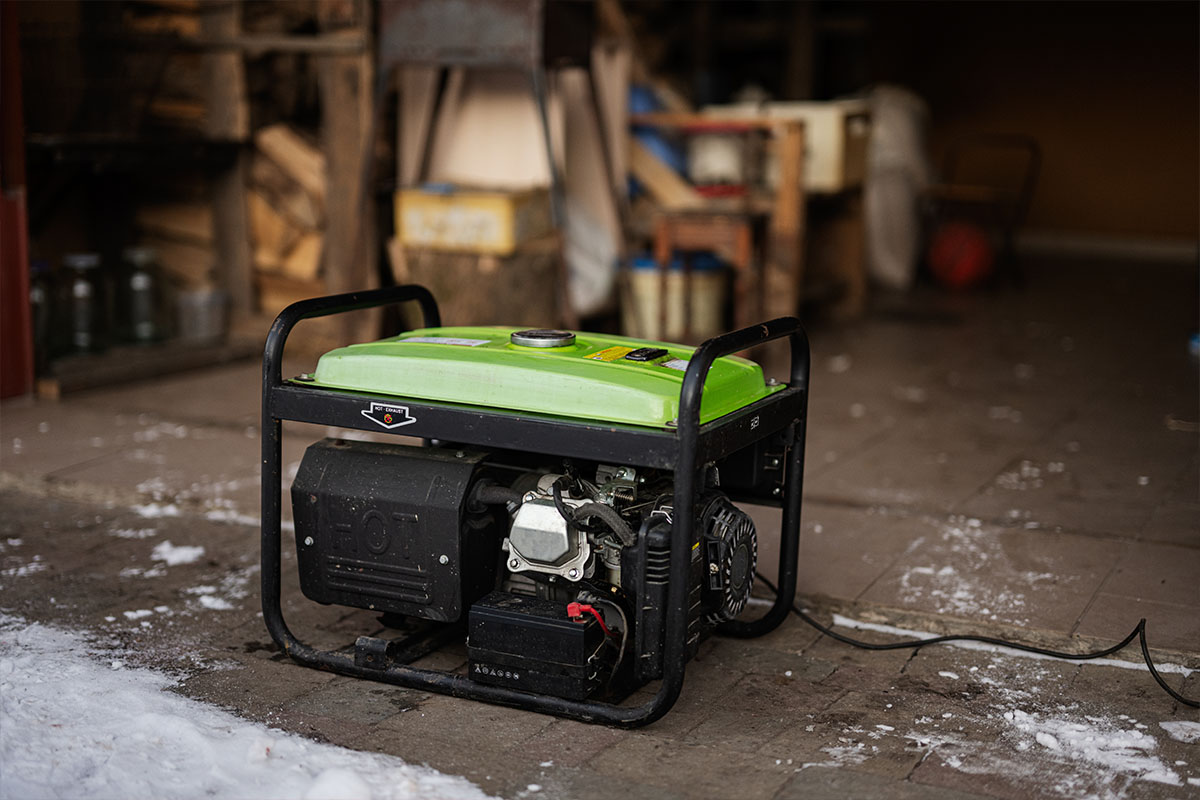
column 576, row 611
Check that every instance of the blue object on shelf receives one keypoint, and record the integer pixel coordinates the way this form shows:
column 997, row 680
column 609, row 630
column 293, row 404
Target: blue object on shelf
column 643, row 101
column 699, row 262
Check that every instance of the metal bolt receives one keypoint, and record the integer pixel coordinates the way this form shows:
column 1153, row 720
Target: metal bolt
column 513, row 563
column 443, row 559
column 308, row 540
column 459, row 454
column 773, row 463
column 777, row 491
column 572, row 573
column 772, row 381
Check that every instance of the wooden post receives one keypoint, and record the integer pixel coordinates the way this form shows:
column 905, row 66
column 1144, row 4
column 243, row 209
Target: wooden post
column 783, row 274
column 664, row 240
column 747, row 302
column 850, row 235
column 347, row 105
column 228, row 118
column 414, row 124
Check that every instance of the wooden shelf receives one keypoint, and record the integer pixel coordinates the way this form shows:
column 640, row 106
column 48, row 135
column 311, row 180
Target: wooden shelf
column 130, row 363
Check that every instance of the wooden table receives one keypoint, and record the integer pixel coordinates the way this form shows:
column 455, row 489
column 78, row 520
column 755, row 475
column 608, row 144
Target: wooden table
column 772, row 289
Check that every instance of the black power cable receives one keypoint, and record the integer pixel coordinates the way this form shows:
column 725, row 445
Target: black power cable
column 1139, row 632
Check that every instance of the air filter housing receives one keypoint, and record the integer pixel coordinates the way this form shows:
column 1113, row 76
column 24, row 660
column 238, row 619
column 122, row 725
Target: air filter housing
column 385, row 527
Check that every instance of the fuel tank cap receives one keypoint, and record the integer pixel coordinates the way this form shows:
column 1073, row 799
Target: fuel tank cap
column 542, row 337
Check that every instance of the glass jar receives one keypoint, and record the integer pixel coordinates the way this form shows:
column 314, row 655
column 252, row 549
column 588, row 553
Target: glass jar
column 41, row 301
column 139, row 297
column 84, row 302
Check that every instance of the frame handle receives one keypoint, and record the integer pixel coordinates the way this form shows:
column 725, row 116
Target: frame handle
column 733, row 342
column 685, row 473
column 338, row 304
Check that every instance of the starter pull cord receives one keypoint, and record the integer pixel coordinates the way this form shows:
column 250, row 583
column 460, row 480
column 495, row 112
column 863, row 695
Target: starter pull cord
column 1139, row 632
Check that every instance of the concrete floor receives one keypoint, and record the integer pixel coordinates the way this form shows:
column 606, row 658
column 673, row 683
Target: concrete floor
column 1020, row 464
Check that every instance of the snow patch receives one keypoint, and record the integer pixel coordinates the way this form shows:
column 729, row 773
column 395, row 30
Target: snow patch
column 134, row 533
column 24, row 570
column 983, row 581
column 1028, row 475
column 1047, row 741
column 338, row 784
column 174, row 555
column 161, row 430
column 1107, row 744
column 139, row 572
column 157, row 510
column 848, row 755
column 232, row 516
column 1182, row 731
column 232, row 587
column 59, row 737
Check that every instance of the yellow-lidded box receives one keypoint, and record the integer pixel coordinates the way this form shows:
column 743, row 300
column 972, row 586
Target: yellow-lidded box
column 488, row 221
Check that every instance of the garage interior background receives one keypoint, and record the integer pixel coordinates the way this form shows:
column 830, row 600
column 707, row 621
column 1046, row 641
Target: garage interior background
column 228, row 138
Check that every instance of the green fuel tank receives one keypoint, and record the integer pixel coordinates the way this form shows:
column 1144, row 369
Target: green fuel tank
column 586, row 376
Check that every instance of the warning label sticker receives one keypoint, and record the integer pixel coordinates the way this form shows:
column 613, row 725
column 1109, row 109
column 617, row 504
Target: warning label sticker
column 388, row 416
column 676, row 363
column 445, row 340
column 611, row 354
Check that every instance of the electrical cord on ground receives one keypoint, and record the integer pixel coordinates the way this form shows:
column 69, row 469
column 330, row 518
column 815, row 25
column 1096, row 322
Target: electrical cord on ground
column 1139, row 632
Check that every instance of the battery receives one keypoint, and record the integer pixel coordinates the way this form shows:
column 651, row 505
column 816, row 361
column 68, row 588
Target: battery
column 530, row 644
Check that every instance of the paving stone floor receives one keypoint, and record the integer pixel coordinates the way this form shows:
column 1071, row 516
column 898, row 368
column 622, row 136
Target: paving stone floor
column 1019, row 463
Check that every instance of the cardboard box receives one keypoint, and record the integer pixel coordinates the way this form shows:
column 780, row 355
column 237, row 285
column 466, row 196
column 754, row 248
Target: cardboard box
column 836, row 135
column 484, row 221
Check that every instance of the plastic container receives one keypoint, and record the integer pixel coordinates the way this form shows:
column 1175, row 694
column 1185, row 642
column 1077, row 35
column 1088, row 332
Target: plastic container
column 200, row 315
column 642, row 316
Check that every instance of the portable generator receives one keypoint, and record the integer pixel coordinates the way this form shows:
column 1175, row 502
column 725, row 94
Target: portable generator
column 568, row 508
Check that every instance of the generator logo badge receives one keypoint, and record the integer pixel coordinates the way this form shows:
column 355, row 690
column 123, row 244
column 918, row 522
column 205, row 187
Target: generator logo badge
column 388, row 416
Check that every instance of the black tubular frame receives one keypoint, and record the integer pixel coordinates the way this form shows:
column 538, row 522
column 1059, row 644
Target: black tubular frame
column 685, row 450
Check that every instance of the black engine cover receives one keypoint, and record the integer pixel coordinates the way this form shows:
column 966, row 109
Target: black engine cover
column 385, row 527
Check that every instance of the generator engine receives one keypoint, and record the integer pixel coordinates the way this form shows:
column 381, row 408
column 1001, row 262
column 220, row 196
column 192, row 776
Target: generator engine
column 556, row 569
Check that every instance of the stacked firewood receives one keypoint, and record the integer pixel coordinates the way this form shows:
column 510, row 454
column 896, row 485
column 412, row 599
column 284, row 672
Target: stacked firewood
column 286, row 206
